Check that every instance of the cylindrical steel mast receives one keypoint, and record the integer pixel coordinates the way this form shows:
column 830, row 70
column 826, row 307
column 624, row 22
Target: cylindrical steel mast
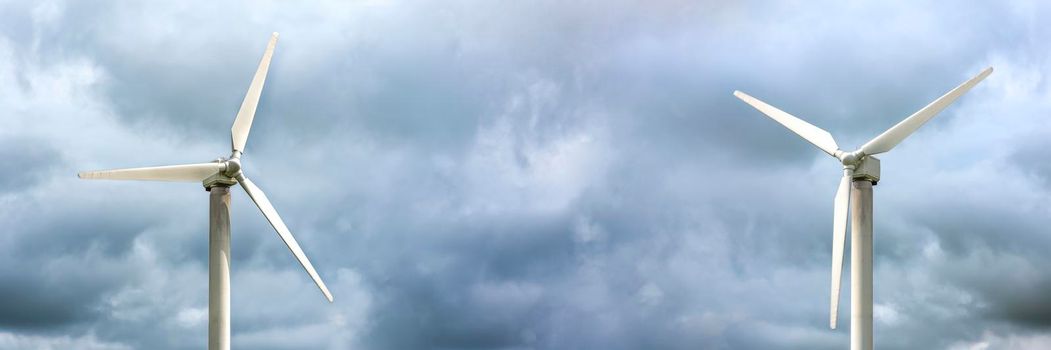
column 219, row 268
column 861, row 265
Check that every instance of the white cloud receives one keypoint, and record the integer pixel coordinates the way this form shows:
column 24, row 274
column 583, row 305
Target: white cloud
column 85, row 342
column 516, row 163
column 991, row 340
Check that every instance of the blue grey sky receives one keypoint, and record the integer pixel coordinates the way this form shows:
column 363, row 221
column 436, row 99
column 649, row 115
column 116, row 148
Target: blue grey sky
column 522, row 174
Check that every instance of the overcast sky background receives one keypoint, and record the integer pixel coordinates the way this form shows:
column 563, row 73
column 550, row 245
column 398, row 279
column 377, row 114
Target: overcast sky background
column 523, row 174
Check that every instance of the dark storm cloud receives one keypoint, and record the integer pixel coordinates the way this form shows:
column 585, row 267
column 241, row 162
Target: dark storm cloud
column 519, row 175
column 28, row 308
column 60, row 297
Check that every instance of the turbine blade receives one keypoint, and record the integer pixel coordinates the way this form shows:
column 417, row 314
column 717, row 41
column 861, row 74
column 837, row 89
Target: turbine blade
column 839, row 238
column 890, row 138
column 270, row 213
column 815, row 135
column 243, row 122
column 185, row 172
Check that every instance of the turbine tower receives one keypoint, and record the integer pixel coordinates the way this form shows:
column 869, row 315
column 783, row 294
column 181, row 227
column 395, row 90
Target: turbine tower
column 217, row 177
column 860, row 173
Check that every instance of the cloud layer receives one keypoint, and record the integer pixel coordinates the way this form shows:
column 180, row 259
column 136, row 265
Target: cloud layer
column 521, row 175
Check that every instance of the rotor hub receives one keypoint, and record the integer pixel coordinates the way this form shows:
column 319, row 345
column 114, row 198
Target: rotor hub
column 852, row 158
column 233, row 167
column 861, row 165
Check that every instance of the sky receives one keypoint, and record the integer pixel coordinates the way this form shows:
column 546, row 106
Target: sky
column 523, row 174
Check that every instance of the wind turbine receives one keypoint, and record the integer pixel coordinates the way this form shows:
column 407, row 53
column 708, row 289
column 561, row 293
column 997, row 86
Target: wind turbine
column 217, row 177
column 860, row 172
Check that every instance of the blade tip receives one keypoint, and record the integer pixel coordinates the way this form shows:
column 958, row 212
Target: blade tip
column 273, row 37
column 986, row 72
column 743, row 97
column 324, row 289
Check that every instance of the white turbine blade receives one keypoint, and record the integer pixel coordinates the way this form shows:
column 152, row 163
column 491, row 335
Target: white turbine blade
column 839, row 238
column 815, row 135
column 185, row 172
column 243, row 123
column 270, row 213
column 890, row 138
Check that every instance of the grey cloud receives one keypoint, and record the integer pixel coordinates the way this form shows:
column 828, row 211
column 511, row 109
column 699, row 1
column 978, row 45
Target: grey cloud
column 520, row 175
column 30, row 161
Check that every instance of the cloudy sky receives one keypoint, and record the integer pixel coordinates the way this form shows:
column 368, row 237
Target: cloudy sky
column 522, row 174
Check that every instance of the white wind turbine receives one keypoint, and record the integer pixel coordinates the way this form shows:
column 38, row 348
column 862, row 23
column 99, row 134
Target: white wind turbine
column 861, row 169
column 217, row 177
